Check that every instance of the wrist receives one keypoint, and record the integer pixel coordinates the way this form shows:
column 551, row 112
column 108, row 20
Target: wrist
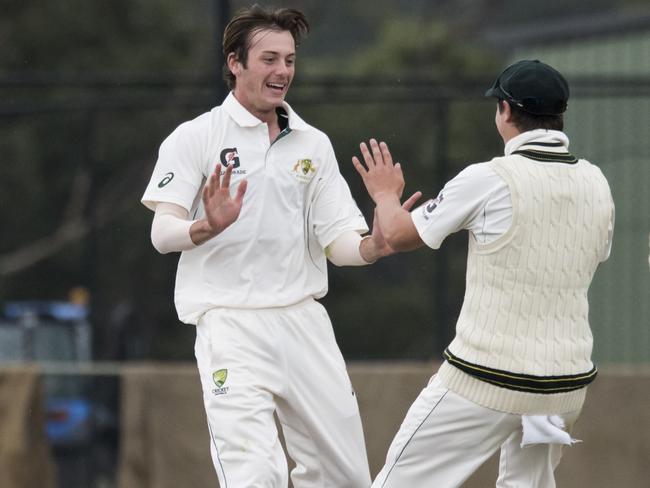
column 385, row 197
column 201, row 231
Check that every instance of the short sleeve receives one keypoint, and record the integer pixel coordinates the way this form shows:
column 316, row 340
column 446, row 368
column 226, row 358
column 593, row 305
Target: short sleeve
column 458, row 206
column 333, row 210
column 179, row 172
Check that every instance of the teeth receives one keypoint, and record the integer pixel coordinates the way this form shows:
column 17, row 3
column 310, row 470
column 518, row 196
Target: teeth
column 275, row 85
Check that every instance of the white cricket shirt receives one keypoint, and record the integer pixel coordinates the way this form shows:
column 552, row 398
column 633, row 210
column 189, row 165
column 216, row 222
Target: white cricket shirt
column 296, row 204
column 478, row 199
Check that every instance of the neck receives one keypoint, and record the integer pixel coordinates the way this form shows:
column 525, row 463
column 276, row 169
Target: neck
column 269, row 117
column 509, row 132
column 265, row 115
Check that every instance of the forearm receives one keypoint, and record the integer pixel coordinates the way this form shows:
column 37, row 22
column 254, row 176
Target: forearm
column 170, row 231
column 173, row 232
column 396, row 223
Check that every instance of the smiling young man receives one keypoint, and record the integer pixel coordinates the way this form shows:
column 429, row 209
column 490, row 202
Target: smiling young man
column 540, row 221
column 254, row 262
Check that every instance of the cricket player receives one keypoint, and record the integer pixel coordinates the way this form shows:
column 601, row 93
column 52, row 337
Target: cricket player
column 253, row 198
column 540, row 221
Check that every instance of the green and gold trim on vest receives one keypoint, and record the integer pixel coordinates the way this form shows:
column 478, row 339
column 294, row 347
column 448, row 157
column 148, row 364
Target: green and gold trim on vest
column 523, row 382
column 547, row 156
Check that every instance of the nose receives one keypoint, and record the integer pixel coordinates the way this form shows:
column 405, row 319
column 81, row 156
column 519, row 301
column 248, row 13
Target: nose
column 283, row 69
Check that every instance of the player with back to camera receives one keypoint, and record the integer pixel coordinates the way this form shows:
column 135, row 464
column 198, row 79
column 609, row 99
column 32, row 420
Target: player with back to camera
column 253, row 262
column 540, row 221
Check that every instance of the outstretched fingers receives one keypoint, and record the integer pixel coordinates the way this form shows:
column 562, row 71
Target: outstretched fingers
column 208, row 189
column 214, row 182
column 241, row 190
column 385, row 153
column 377, row 152
column 408, row 204
column 367, row 156
column 225, row 182
column 361, row 169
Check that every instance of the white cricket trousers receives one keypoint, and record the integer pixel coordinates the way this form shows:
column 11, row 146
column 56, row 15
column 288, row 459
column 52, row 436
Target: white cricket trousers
column 445, row 438
column 285, row 360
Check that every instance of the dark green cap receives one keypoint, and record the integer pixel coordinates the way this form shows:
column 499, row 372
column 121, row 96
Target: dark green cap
column 533, row 86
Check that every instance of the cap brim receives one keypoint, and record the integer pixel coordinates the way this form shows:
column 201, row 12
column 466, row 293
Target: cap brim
column 495, row 92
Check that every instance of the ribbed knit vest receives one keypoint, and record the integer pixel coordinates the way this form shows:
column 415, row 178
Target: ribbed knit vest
column 523, row 343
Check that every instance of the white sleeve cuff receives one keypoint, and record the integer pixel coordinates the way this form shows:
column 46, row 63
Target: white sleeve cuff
column 344, row 250
column 170, row 230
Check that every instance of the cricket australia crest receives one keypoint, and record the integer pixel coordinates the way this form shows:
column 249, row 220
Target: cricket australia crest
column 219, row 377
column 304, row 170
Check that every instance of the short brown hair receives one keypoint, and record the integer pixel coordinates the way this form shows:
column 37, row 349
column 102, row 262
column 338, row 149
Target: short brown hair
column 239, row 31
column 525, row 121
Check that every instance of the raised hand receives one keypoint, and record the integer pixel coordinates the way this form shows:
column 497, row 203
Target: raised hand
column 382, row 248
column 379, row 174
column 221, row 209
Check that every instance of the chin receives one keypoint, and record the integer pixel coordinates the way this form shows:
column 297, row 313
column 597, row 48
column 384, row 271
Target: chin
column 277, row 98
column 275, row 102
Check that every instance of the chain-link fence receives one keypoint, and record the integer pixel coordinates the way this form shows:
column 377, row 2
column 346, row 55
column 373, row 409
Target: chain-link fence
column 95, row 142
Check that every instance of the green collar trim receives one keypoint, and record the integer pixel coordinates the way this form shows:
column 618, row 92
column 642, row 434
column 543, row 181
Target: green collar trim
column 547, row 156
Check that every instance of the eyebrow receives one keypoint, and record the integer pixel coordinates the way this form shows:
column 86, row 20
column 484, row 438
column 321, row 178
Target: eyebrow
column 277, row 53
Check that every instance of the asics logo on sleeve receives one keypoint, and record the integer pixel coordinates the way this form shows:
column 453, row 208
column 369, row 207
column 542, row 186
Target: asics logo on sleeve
column 168, row 177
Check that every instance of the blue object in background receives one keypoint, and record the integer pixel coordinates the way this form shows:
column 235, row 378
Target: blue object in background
column 54, row 332
column 56, row 310
column 69, row 421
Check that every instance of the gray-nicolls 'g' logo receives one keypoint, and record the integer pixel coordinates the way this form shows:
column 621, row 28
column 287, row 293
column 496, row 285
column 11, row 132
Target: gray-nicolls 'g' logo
column 229, row 156
column 431, row 205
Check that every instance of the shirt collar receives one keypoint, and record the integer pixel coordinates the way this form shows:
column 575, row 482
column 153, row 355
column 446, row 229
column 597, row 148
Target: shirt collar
column 550, row 140
column 246, row 119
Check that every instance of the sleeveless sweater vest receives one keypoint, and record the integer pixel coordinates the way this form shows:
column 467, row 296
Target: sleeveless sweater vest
column 523, row 343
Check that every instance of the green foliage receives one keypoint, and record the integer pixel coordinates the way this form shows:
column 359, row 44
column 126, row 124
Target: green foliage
column 412, row 48
column 104, row 36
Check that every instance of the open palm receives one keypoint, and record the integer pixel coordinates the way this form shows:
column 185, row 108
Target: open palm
column 221, row 209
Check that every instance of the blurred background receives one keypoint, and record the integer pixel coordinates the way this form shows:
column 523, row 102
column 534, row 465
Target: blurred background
column 88, row 91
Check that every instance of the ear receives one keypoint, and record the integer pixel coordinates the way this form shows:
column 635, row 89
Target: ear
column 507, row 111
column 234, row 65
